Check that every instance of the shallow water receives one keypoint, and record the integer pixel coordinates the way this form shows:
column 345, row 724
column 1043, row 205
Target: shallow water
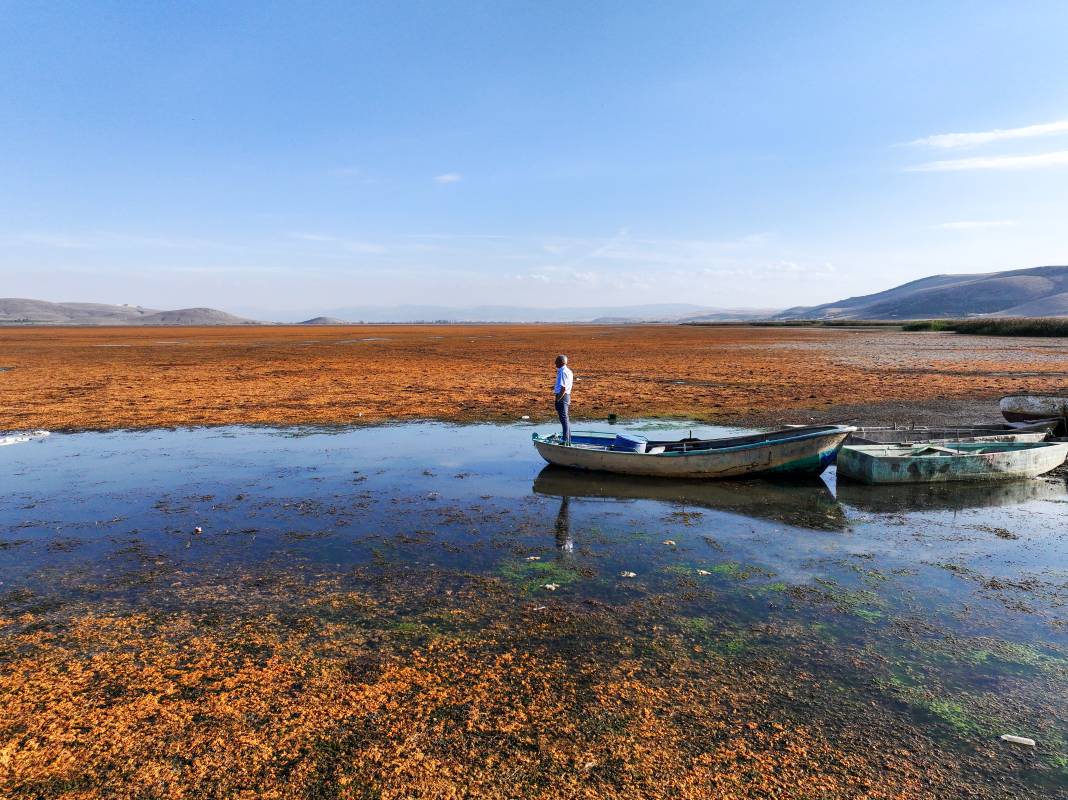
column 943, row 606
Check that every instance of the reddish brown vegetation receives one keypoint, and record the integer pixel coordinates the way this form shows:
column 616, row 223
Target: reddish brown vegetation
column 78, row 378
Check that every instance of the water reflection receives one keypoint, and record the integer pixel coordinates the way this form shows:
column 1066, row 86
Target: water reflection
column 948, row 496
column 565, row 543
column 803, row 505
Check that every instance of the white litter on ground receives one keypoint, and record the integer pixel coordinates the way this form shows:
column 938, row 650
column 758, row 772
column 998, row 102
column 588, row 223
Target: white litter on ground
column 1008, row 737
column 19, row 438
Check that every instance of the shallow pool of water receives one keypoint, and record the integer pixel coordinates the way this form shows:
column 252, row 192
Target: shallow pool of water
column 944, row 606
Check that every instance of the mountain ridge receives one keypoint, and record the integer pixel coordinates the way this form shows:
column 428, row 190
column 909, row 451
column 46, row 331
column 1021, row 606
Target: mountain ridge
column 1028, row 292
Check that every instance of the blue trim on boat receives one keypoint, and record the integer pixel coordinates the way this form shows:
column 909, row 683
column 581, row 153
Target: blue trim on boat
column 601, row 438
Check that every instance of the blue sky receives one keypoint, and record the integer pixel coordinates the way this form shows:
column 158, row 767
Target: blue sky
column 302, row 156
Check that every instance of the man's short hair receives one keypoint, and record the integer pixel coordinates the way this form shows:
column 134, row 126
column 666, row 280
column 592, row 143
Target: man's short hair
column 561, row 359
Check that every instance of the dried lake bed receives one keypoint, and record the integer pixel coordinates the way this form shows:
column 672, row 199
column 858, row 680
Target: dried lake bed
column 426, row 610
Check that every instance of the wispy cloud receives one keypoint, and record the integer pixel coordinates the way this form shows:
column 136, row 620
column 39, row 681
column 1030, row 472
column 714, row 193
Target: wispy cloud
column 949, row 140
column 99, row 240
column 349, row 245
column 1058, row 158
column 356, row 174
column 977, row 224
column 449, row 177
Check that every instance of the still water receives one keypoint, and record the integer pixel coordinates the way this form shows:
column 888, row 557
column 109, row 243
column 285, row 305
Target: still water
column 943, row 607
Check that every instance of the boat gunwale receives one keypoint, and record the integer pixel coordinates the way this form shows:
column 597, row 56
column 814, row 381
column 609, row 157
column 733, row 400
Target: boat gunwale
column 823, row 430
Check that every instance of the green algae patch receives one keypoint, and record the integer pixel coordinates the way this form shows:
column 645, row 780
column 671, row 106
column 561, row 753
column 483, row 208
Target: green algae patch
column 533, row 576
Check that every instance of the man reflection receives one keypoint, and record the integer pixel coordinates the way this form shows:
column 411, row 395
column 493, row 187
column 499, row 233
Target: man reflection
column 564, row 542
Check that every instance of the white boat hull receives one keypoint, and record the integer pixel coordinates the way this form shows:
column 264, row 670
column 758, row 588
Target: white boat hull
column 810, row 454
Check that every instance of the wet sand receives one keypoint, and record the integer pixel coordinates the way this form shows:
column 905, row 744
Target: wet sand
column 106, row 378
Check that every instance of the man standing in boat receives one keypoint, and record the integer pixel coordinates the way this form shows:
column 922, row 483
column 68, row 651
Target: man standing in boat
column 564, row 379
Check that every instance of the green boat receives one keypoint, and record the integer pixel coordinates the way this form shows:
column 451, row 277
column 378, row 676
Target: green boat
column 943, row 462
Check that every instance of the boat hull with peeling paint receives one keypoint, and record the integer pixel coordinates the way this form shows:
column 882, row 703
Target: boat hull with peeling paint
column 1034, row 407
column 956, row 461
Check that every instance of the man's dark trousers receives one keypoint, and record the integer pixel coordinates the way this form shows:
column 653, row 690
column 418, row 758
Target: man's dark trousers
column 561, row 411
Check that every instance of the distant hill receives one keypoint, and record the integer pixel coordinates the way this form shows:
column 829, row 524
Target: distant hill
column 653, row 312
column 18, row 311
column 324, row 321
column 1034, row 292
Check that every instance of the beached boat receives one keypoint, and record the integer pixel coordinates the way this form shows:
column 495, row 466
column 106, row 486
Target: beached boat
column 1033, row 407
column 808, row 450
column 982, row 432
column 957, row 461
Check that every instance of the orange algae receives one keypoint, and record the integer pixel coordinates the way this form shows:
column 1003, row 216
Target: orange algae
column 102, row 378
column 136, row 704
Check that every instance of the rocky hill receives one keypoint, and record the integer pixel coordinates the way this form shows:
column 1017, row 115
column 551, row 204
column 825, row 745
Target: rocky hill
column 1034, row 292
column 19, row 311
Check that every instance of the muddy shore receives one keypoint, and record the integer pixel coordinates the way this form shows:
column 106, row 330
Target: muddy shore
column 109, row 378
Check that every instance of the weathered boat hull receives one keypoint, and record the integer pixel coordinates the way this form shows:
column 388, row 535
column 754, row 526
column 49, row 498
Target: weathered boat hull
column 1031, row 407
column 903, row 435
column 975, row 461
column 807, row 452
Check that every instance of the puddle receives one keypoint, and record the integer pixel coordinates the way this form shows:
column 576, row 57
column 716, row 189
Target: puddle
column 938, row 610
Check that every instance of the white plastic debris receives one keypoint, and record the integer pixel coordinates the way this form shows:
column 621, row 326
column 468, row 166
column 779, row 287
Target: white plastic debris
column 198, row 529
column 703, row 572
column 533, row 558
column 552, row 587
column 525, row 416
column 669, row 542
column 626, row 574
column 1008, row 737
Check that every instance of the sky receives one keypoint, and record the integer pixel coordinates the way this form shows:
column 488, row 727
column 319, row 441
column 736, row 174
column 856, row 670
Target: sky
column 262, row 156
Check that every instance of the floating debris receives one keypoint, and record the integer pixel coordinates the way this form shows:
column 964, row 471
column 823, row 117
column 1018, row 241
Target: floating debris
column 703, row 572
column 669, row 543
column 19, row 438
column 625, row 574
column 525, row 416
column 198, row 529
column 533, row 558
column 552, row 587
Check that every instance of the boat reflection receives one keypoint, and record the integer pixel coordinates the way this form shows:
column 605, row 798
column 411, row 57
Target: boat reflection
column 895, row 498
column 803, row 505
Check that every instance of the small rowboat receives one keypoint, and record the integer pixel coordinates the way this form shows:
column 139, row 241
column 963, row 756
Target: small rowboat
column 1034, row 407
column 959, row 461
column 996, row 432
column 795, row 451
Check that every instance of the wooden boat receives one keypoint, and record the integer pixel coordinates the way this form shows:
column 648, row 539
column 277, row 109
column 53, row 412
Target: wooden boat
column 801, row 504
column 995, row 432
column 809, row 450
column 957, row 461
column 1033, row 407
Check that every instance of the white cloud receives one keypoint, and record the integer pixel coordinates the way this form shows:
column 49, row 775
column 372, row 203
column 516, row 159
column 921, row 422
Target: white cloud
column 948, row 140
column 449, row 177
column 1058, row 158
column 349, row 245
column 968, row 225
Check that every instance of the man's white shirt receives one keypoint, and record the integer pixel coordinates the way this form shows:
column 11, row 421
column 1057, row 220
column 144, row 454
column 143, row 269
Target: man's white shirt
column 564, row 379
